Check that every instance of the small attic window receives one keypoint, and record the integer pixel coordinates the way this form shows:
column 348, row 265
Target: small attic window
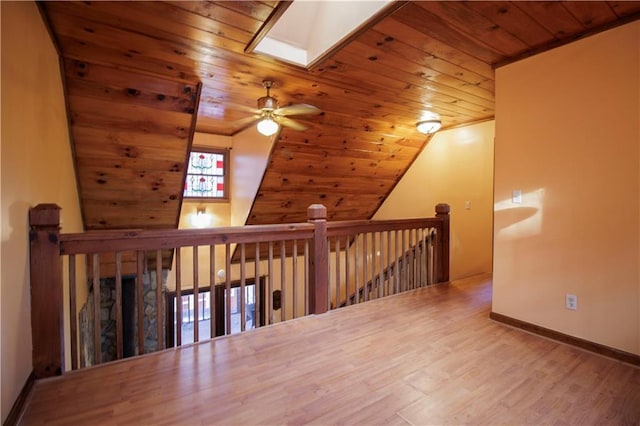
column 207, row 174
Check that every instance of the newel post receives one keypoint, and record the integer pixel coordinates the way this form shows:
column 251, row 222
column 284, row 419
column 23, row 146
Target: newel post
column 442, row 273
column 46, row 290
column 319, row 262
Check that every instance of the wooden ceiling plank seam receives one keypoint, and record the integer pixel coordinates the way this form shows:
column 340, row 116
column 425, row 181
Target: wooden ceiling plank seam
column 258, row 10
column 401, row 31
column 431, row 24
column 390, row 102
column 112, row 161
column 401, row 48
column 173, row 23
column 554, row 17
column 142, row 113
column 294, row 152
column 121, row 79
column 125, row 60
column 403, row 148
column 476, row 26
column 218, row 11
column 127, row 157
column 514, row 20
column 129, row 96
column 411, row 69
column 138, row 137
column 624, row 8
column 590, row 14
column 335, row 163
column 620, row 21
column 168, row 22
column 356, row 67
column 340, row 144
column 137, row 45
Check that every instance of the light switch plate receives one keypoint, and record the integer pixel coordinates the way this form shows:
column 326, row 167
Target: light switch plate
column 516, row 197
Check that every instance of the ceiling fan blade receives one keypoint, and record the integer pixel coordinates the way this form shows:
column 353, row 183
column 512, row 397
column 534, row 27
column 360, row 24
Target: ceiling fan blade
column 297, row 109
column 245, row 122
column 287, row 122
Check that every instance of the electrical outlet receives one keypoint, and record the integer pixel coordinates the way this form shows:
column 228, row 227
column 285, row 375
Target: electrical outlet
column 571, row 302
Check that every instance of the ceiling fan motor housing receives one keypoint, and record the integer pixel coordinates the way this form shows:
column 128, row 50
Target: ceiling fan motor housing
column 267, row 103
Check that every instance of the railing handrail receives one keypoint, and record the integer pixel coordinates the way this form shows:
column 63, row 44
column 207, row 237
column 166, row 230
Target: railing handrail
column 349, row 227
column 136, row 239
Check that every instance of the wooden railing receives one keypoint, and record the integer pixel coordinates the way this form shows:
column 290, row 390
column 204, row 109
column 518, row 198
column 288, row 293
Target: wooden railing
column 313, row 266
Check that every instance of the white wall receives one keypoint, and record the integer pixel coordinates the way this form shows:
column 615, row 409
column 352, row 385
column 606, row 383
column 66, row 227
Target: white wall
column 37, row 167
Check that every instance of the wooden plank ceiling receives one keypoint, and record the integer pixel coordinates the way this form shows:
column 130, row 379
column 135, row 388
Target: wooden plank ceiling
column 134, row 71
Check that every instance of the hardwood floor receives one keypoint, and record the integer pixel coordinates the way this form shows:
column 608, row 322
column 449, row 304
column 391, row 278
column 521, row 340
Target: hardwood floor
column 430, row 356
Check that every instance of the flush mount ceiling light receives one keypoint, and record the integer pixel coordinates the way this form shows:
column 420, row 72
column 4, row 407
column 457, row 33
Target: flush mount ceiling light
column 267, row 126
column 429, row 126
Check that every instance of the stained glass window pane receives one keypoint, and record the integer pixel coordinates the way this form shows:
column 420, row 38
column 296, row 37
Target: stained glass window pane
column 205, row 175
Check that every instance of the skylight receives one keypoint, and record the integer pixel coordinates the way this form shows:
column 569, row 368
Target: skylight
column 309, row 29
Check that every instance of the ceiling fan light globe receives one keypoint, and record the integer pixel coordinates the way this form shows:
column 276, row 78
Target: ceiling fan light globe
column 429, row 126
column 267, row 126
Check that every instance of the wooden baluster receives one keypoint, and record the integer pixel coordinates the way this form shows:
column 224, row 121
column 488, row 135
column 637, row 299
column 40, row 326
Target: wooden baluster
column 425, row 255
column 258, row 306
column 294, row 259
column 442, row 270
column 319, row 262
column 412, row 254
column 97, row 316
column 419, row 260
column 73, row 322
column 119, row 325
column 270, row 285
column 159, row 315
column 196, row 295
column 429, row 257
column 283, row 281
column 374, row 269
column 389, row 286
column 178, row 297
column 227, row 297
column 140, row 297
column 243, row 283
column 365, row 253
column 382, row 266
column 329, row 300
column 212, row 291
column 416, row 256
column 46, row 291
column 357, row 269
column 396, row 262
column 405, row 262
column 337, row 256
column 347, row 271
column 306, row 277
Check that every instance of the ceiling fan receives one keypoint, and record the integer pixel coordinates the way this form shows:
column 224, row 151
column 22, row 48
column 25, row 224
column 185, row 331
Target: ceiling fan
column 270, row 116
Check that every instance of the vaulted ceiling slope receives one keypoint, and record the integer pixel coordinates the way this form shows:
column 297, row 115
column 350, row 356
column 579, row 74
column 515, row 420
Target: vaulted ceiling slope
column 134, row 70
